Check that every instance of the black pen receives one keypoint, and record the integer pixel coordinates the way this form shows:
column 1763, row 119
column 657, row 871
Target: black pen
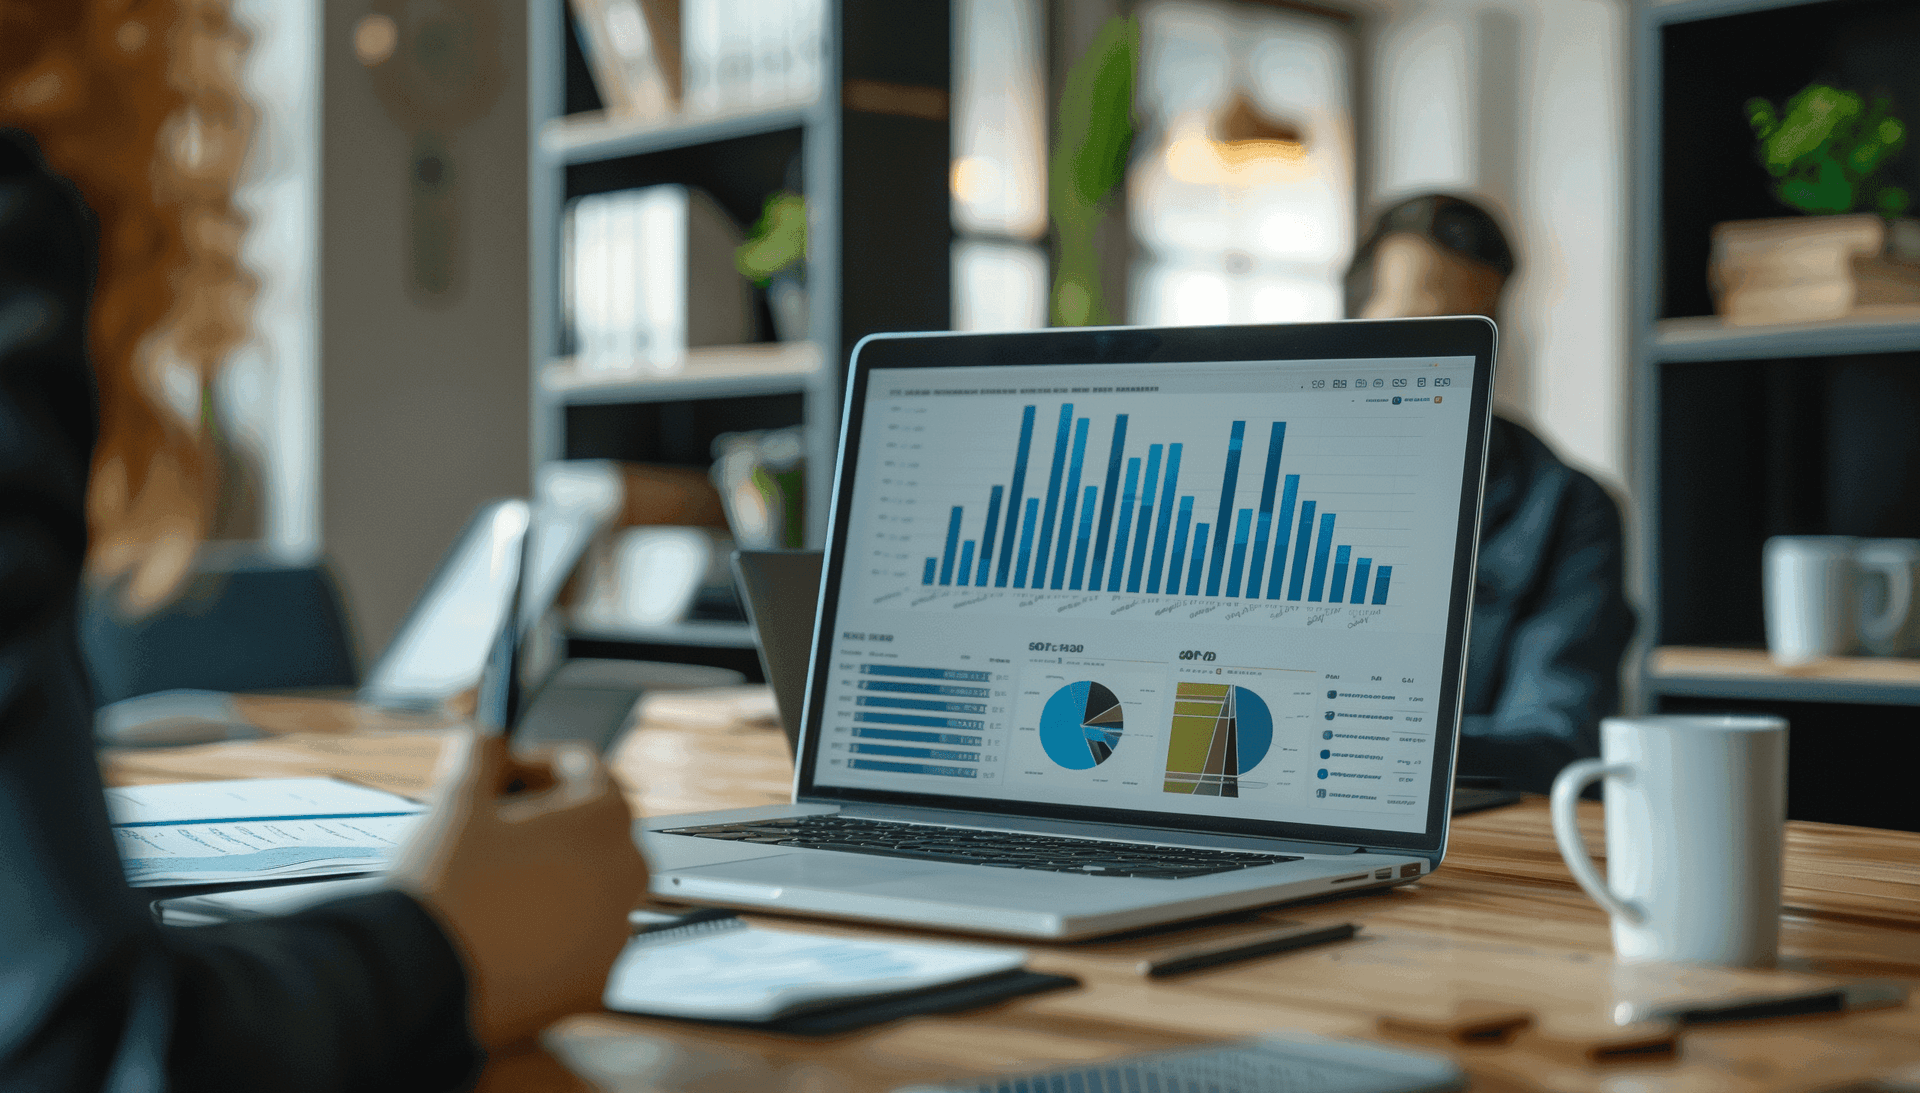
column 1296, row 937
column 1841, row 999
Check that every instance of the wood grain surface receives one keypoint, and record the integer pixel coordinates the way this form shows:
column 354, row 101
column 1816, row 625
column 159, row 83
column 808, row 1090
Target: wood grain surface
column 1500, row 925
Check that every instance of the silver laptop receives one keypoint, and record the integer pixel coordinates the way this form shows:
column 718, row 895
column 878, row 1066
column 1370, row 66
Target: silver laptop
column 1121, row 627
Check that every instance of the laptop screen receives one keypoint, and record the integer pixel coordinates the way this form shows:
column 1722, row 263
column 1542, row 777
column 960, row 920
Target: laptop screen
column 1206, row 589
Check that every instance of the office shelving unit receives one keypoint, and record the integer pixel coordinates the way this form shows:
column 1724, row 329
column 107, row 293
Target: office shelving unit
column 1748, row 432
column 870, row 153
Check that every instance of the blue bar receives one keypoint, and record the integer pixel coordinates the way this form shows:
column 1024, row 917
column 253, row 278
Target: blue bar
column 1080, row 538
column 986, row 541
column 1360, row 573
column 927, row 576
column 1283, row 524
column 1303, row 538
column 1166, row 518
column 1134, row 573
column 953, row 546
column 1107, row 499
column 966, row 560
column 1228, row 478
column 1238, row 565
column 1339, row 586
column 1026, row 543
column 923, row 737
column 1013, row 498
column 1262, row 528
column 912, row 768
column 1380, row 584
column 1073, row 494
column 923, row 688
column 1044, row 551
column 1263, row 524
column 1198, row 563
column 923, row 673
column 1320, row 549
column 1126, row 524
column 921, row 704
column 1178, row 556
column 915, row 753
column 922, row 722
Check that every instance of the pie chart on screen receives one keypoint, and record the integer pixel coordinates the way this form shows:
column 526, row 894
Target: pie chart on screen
column 1081, row 725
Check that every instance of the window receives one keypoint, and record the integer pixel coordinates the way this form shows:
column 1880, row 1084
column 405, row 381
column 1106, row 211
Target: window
column 1241, row 194
column 999, row 177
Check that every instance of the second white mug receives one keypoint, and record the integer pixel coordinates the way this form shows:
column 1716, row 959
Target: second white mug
column 1812, row 599
column 1696, row 813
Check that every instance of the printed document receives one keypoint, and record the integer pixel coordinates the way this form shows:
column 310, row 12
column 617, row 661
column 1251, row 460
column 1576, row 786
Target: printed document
column 255, row 829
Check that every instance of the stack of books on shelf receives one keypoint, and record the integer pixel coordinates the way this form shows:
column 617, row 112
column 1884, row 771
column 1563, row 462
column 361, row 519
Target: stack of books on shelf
column 652, row 59
column 648, row 273
column 1815, row 269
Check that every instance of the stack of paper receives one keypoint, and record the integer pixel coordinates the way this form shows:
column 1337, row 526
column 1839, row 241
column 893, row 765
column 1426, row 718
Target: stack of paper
column 724, row 971
column 255, row 829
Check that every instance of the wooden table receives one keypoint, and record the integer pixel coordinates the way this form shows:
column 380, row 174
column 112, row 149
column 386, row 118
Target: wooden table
column 1500, row 923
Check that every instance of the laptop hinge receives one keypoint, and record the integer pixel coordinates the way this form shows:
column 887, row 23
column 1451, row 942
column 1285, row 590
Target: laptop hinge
column 1084, row 828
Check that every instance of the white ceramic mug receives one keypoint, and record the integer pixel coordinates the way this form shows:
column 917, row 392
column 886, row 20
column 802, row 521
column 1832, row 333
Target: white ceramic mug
column 1696, row 811
column 1812, row 599
column 1885, row 571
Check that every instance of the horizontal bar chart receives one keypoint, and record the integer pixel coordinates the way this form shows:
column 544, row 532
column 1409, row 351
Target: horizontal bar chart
column 898, row 734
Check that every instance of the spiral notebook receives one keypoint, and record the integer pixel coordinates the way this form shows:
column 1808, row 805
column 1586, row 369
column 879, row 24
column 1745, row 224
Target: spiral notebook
column 724, row 970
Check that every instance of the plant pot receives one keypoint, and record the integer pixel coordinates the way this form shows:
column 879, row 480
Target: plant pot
column 787, row 300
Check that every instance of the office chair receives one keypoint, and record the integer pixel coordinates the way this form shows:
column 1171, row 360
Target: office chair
column 246, row 622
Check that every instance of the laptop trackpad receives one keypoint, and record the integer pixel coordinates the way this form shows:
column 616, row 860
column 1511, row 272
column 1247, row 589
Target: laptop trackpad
column 842, row 871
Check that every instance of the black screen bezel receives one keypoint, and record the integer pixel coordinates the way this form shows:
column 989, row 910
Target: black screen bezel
column 1470, row 336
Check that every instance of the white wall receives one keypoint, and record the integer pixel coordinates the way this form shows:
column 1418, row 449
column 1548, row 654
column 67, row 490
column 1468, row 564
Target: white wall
column 424, row 407
column 269, row 391
column 1522, row 103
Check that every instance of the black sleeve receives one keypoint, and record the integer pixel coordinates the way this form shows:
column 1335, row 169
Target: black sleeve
column 1559, row 666
column 361, row 994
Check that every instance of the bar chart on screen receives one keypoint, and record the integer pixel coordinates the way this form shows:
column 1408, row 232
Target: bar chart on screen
column 1145, row 506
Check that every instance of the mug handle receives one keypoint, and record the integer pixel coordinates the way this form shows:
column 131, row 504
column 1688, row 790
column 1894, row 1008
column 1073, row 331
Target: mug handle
column 1882, row 628
column 1566, row 831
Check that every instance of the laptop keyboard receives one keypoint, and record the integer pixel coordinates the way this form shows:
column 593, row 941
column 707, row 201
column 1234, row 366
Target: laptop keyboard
column 972, row 846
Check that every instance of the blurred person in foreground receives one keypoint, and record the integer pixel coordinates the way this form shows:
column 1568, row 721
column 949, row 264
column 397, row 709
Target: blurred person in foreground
column 1550, row 615
column 504, row 911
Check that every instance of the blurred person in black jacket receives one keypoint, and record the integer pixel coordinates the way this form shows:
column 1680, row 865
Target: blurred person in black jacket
column 1550, row 616
column 505, row 911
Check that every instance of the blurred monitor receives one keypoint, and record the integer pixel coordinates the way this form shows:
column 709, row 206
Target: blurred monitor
column 781, row 590
column 441, row 649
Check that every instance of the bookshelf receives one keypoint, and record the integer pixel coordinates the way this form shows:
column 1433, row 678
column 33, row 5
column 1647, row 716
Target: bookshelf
column 1745, row 432
column 1751, row 674
column 767, row 368
column 871, row 154
column 1704, row 338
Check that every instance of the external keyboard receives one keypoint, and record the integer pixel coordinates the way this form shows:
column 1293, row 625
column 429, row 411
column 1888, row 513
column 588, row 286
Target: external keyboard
column 973, row 846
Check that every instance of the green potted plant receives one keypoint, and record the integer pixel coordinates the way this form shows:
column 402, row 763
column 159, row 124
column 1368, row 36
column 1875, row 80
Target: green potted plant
column 774, row 257
column 1849, row 252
